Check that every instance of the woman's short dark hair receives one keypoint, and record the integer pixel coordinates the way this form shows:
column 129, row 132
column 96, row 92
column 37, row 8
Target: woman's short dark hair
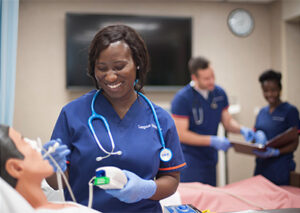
column 198, row 63
column 271, row 75
column 111, row 34
column 8, row 150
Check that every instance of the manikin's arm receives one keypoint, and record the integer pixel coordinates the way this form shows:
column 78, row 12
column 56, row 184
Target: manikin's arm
column 188, row 137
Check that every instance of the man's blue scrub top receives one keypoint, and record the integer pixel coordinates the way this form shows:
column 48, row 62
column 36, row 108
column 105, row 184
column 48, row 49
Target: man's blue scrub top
column 135, row 135
column 276, row 169
column 201, row 160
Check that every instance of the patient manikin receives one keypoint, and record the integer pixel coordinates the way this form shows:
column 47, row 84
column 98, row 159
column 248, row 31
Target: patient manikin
column 24, row 168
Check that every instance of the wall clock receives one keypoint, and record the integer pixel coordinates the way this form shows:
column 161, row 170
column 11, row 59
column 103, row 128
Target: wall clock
column 240, row 22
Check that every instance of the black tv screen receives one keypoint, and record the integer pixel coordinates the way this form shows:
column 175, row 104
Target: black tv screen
column 168, row 40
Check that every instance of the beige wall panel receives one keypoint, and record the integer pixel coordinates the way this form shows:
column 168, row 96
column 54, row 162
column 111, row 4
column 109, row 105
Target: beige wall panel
column 290, row 9
column 292, row 32
column 40, row 83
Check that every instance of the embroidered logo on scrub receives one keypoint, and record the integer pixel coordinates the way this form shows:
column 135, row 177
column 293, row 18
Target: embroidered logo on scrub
column 147, row 126
column 277, row 118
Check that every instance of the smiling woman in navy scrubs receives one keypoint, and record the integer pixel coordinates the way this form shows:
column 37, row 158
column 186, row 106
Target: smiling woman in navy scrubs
column 118, row 63
column 278, row 116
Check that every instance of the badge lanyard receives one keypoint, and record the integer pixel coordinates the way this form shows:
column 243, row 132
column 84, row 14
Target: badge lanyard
column 165, row 153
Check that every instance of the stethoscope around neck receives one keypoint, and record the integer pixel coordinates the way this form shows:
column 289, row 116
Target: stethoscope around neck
column 165, row 153
column 198, row 115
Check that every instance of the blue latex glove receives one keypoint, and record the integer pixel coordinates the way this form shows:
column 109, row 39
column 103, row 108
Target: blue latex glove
column 135, row 189
column 247, row 133
column 270, row 152
column 260, row 137
column 220, row 143
column 59, row 154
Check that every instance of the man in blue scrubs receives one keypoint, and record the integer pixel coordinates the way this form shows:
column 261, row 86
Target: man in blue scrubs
column 197, row 110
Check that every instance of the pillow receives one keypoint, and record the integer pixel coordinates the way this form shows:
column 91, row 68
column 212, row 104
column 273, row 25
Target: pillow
column 11, row 201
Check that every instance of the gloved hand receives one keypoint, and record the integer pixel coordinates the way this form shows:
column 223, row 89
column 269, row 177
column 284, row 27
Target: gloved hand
column 247, row 133
column 219, row 143
column 270, row 152
column 260, row 137
column 135, row 189
column 59, row 154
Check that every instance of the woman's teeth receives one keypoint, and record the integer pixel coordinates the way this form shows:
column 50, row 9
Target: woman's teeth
column 113, row 86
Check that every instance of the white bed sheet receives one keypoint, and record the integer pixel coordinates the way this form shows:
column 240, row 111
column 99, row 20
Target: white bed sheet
column 12, row 202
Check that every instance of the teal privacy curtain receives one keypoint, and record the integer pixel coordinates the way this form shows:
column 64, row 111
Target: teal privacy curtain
column 8, row 43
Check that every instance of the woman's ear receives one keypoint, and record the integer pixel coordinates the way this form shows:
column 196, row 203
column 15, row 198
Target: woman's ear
column 14, row 167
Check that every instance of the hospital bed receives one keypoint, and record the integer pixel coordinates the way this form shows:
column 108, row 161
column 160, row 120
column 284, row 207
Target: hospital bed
column 255, row 194
column 12, row 202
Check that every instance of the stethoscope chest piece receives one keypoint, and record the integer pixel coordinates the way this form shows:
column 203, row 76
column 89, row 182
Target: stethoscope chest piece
column 214, row 105
column 165, row 154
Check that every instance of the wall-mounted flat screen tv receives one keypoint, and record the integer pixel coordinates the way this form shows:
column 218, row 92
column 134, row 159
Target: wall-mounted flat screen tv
column 168, row 40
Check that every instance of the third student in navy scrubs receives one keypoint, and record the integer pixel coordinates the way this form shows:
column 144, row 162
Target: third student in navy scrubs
column 273, row 119
column 197, row 110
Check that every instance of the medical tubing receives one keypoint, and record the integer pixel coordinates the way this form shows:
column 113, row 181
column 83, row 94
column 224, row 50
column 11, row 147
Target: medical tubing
column 63, row 175
column 156, row 120
column 60, row 186
column 91, row 192
column 51, row 149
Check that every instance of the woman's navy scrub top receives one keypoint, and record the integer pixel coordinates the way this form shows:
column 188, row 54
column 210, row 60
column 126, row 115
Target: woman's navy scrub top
column 135, row 135
column 201, row 160
column 276, row 169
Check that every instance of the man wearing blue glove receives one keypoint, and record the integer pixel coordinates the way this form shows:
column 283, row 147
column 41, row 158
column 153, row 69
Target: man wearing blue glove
column 197, row 110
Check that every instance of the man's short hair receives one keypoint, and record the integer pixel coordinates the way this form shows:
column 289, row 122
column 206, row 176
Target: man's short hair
column 8, row 150
column 198, row 63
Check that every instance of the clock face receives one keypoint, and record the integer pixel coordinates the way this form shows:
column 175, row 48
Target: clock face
column 240, row 22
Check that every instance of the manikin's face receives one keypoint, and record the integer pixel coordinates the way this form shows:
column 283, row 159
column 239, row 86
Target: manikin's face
column 33, row 164
column 115, row 70
column 205, row 79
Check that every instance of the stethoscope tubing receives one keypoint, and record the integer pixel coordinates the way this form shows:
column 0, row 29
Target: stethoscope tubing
column 156, row 120
column 103, row 119
column 199, row 121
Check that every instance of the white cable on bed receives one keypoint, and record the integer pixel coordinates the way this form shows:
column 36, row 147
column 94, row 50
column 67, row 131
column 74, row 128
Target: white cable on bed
column 235, row 196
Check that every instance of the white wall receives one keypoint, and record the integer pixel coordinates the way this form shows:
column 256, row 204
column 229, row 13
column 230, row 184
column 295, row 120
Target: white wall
column 40, row 83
